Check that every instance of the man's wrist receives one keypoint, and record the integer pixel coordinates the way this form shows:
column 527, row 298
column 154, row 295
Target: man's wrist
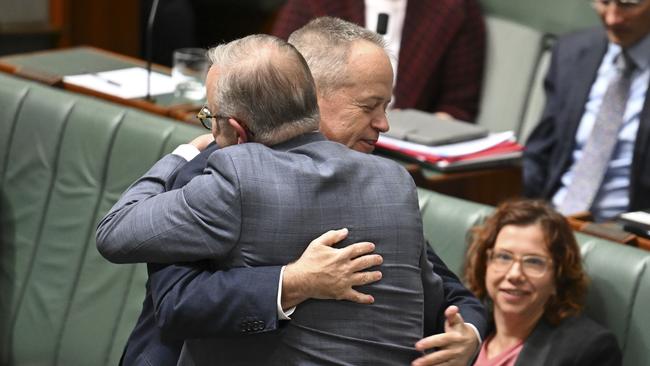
column 293, row 287
column 283, row 314
column 186, row 151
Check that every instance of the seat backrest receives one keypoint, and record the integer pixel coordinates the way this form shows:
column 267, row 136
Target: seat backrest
column 548, row 16
column 513, row 51
column 447, row 221
column 537, row 98
column 64, row 160
column 637, row 345
column 615, row 273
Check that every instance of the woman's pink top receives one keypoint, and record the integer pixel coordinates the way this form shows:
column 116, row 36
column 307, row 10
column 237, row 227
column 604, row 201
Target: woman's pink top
column 505, row 358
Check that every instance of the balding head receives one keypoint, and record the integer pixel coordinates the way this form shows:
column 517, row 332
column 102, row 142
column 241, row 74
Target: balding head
column 264, row 82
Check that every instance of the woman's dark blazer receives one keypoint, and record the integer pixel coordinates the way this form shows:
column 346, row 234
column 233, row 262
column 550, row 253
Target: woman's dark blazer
column 576, row 341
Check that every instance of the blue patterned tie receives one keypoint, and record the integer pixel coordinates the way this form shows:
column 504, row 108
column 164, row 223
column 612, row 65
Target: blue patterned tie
column 590, row 169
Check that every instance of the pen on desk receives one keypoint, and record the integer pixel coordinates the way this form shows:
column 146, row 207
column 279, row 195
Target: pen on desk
column 112, row 82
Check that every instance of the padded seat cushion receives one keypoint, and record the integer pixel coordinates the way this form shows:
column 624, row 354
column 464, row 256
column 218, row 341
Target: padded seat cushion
column 64, row 161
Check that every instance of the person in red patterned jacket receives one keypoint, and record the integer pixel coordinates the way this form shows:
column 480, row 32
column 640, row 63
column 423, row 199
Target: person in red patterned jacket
column 440, row 46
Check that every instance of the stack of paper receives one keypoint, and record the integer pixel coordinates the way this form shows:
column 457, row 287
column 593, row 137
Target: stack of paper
column 126, row 83
column 495, row 149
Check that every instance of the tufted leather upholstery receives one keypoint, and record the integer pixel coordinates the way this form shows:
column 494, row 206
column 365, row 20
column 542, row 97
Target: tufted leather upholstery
column 64, row 160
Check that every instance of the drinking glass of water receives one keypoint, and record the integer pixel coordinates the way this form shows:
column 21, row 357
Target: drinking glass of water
column 188, row 73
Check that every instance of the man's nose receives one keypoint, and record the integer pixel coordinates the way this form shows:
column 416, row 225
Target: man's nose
column 381, row 123
column 613, row 14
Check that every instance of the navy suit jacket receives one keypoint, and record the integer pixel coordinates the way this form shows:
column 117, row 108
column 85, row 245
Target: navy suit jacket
column 549, row 149
column 193, row 300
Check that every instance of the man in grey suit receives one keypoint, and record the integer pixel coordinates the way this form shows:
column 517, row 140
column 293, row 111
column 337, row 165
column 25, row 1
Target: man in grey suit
column 288, row 185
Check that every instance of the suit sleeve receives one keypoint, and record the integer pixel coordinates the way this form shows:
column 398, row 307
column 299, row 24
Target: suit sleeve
column 471, row 309
column 200, row 221
column 462, row 68
column 194, row 301
column 541, row 142
column 192, row 169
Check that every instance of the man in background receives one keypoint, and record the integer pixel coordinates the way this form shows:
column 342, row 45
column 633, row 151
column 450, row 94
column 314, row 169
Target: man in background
column 590, row 151
column 437, row 47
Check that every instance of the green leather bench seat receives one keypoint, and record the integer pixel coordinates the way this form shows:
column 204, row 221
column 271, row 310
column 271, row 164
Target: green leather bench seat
column 520, row 35
column 548, row 16
column 64, row 160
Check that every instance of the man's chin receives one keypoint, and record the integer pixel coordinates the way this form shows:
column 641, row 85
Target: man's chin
column 621, row 38
column 364, row 147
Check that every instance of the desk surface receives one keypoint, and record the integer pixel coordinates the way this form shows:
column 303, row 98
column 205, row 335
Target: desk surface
column 72, row 61
column 488, row 186
column 51, row 66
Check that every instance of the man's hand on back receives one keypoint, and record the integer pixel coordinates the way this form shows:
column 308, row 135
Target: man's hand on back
column 324, row 272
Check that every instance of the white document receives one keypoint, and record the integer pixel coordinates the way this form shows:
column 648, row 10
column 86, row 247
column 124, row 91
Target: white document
column 453, row 150
column 124, row 83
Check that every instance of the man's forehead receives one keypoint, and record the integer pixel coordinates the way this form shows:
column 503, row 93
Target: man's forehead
column 364, row 89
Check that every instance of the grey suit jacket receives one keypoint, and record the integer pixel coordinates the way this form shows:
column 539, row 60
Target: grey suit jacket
column 288, row 195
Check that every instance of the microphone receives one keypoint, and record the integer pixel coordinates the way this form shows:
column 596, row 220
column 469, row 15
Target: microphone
column 382, row 23
column 149, row 46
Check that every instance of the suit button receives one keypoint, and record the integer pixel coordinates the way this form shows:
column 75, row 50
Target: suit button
column 244, row 326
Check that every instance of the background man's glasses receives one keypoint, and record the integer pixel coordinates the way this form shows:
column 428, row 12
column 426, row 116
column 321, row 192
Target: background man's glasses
column 531, row 265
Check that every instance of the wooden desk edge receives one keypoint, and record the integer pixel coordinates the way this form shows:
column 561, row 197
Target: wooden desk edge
column 180, row 112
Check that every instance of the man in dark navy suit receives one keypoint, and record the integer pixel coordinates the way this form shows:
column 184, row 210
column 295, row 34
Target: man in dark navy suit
column 583, row 67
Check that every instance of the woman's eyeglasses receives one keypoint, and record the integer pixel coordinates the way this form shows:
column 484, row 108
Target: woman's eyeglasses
column 531, row 265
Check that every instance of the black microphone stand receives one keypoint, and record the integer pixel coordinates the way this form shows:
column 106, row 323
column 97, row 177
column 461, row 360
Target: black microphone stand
column 149, row 46
column 382, row 23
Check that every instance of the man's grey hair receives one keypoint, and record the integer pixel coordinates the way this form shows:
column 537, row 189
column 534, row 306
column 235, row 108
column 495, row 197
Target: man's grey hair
column 325, row 43
column 265, row 82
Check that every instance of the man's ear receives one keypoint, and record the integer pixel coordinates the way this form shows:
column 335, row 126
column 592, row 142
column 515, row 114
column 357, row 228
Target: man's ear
column 242, row 137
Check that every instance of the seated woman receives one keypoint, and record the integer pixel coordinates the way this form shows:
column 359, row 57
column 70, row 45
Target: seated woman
column 524, row 263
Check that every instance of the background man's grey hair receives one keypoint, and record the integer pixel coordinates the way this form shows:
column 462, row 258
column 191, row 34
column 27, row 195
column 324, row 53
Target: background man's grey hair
column 265, row 82
column 325, row 43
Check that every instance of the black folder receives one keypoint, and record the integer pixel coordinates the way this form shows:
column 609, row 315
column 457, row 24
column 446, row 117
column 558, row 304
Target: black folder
column 428, row 129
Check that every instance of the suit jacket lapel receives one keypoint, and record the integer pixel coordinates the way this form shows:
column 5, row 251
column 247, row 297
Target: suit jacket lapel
column 586, row 69
column 356, row 12
column 423, row 44
column 537, row 347
column 582, row 70
column 640, row 155
column 414, row 9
